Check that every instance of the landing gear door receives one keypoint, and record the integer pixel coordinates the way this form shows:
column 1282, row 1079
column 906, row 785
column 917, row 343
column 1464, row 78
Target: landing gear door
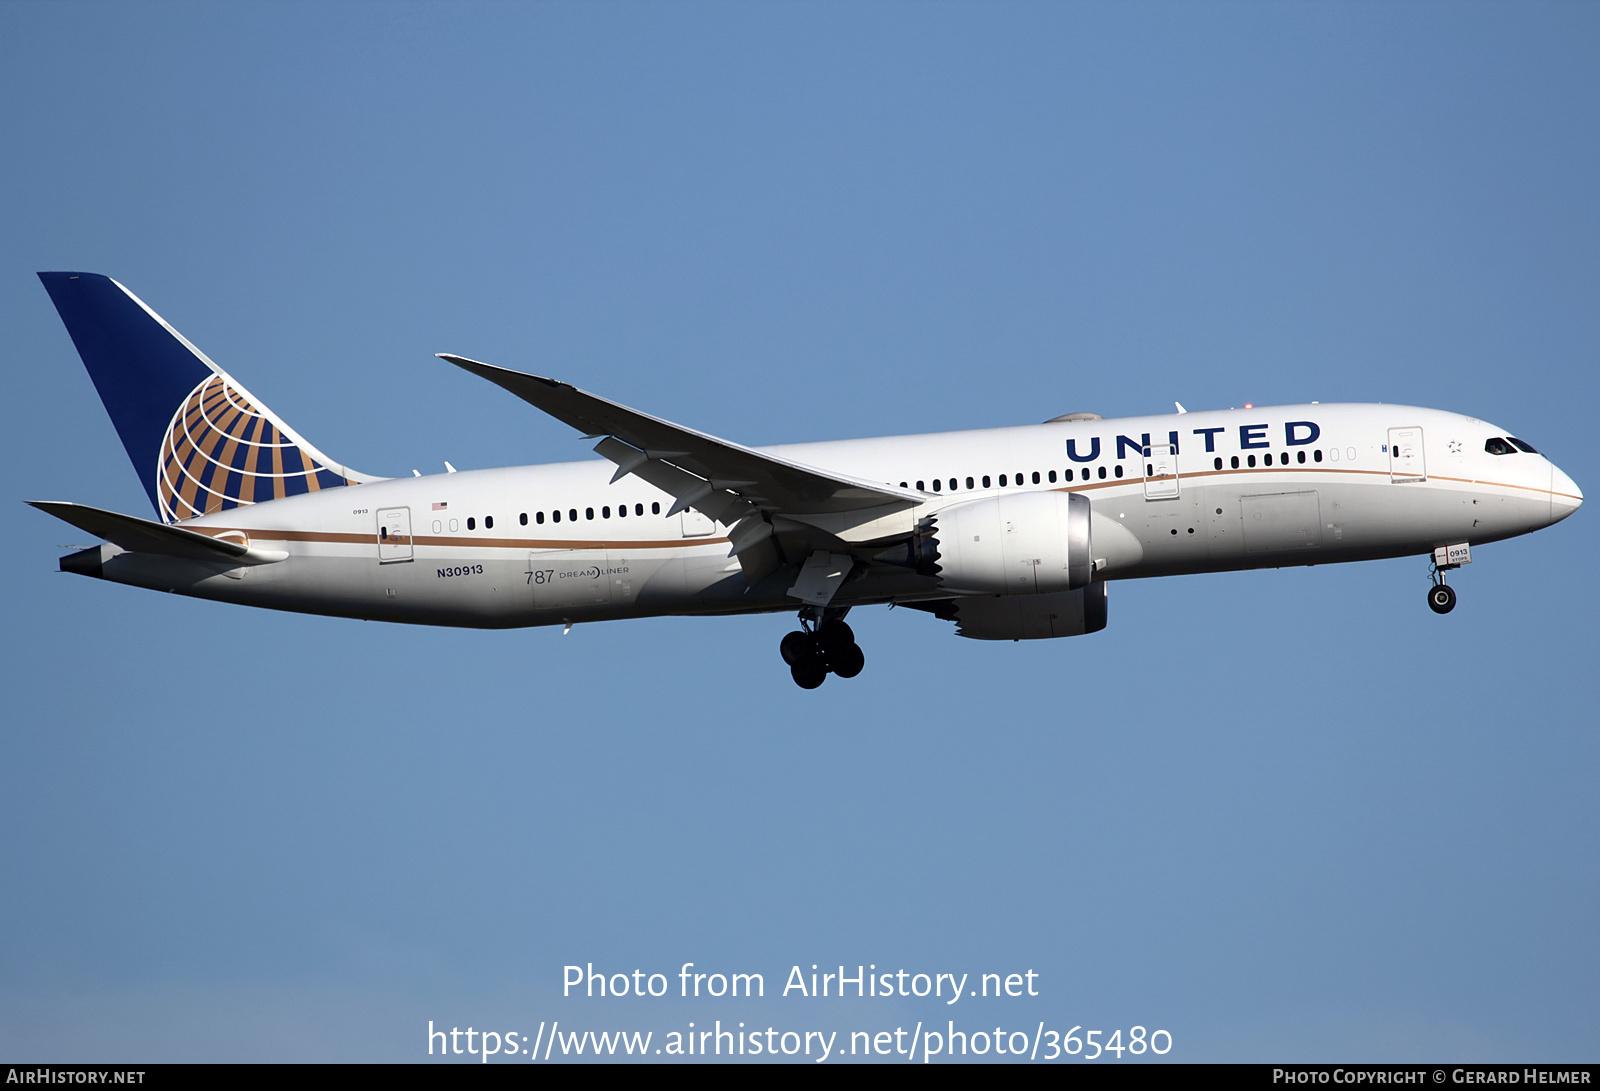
column 1160, row 472
column 394, row 535
column 1405, row 455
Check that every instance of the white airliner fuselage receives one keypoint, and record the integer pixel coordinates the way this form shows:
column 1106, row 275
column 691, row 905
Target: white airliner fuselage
column 1349, row 505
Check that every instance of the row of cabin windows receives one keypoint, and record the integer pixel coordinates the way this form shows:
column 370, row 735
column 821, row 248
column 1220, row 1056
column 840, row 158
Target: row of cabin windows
column 571, row 515
column 971, row 483
column 1116, row 471
column 1007, row 479
column 1266, row 459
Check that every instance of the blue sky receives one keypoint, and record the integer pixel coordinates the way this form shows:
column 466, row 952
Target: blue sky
column 1284, row 815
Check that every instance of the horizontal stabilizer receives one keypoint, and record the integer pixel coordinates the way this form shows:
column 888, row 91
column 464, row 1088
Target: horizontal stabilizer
column 144, row 536
column 763, row 480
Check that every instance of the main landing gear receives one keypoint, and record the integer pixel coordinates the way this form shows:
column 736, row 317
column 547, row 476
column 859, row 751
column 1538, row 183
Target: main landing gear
column 821, row 647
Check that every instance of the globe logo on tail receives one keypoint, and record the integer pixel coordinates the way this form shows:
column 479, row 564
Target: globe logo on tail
column 221, row 452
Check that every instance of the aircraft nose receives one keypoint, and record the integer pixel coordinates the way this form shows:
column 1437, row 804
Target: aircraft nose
column 1565, row 496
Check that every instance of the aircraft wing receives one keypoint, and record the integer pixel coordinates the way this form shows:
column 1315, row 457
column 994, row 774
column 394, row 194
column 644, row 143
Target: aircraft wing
column 725, row 480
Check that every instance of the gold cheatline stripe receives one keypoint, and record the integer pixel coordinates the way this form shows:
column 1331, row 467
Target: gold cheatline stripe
column 333, row 537
column 1087, row 486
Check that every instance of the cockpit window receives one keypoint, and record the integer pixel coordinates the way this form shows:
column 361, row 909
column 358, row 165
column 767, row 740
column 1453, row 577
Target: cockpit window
column 1519, row 445
column 1498, row 446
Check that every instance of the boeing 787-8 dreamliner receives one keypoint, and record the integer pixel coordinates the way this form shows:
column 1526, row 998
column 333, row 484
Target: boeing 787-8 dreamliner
column 1010, row 533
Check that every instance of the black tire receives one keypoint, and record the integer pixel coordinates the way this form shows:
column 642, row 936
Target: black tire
column 1441, row 598
column 834, row 634
column 797, row 647
column 809, row 674
column 847, row 662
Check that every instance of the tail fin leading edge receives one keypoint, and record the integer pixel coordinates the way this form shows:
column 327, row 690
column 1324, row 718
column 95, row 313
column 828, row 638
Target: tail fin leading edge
column 199, row 441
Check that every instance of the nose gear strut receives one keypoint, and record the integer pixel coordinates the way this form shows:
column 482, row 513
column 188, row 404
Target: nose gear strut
column 1441, row 596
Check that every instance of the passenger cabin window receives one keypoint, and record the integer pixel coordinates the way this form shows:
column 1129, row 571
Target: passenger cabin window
column 986, row 481
column 1498, row 446
column 572, row 515
column 539, row 518
column 1316, row 456
column 556, row 516
column 488, row 522
column 655, row 507
column 1052, row 477
column 472, row 524
column 920, row 488
column 588, row 513
column 638, row 509
column 523, row 518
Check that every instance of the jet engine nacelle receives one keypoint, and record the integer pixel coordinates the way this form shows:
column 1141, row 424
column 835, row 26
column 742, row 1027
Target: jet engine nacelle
column 1028, row 543
column 1029, row 617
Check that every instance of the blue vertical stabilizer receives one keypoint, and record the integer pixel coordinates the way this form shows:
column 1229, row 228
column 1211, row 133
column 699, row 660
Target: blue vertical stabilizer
column 199, row 442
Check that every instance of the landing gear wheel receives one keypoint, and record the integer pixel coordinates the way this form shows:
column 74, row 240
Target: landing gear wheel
column 834, row 636
column 797, row 647
column 1441, row 598
column 809, row 673
column 821, row 646
column 847, row 662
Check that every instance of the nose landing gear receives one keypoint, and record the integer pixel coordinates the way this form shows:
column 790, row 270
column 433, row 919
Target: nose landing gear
column 820, row 648
column 1442, row 597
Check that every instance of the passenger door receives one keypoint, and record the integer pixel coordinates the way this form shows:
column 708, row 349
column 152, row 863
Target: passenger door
column 1161, row 472
column 696, row 524
column 394, row 535
column 1405, row 455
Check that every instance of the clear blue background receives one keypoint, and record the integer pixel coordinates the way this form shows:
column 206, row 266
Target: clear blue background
column 1284, row 815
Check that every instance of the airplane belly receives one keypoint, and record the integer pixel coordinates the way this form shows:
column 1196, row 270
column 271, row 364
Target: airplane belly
column 474, row 591
column 695, row 581
column 486, row 592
